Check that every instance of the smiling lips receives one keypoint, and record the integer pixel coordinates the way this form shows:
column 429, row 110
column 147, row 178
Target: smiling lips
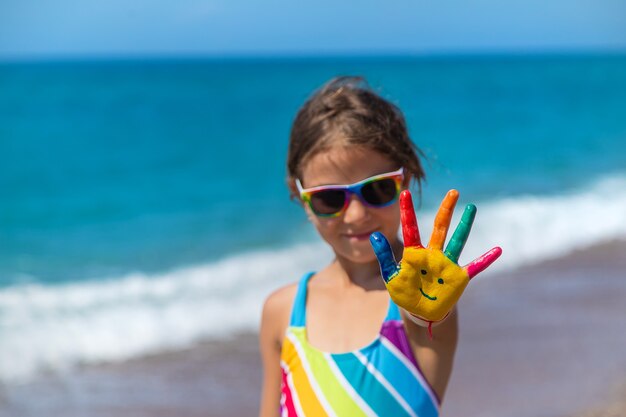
column 426, row 295
column 359, row 236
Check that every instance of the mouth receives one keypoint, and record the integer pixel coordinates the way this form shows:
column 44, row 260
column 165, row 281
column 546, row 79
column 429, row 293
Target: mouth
column 359, row 236
column 426, row 295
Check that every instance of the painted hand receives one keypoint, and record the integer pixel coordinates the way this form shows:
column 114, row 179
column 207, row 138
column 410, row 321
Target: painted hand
column 428, row 281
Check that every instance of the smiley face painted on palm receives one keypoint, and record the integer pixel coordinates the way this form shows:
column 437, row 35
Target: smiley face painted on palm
column 428, row 281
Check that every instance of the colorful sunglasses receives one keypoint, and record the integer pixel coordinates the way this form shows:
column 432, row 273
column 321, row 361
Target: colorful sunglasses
column 332, row 200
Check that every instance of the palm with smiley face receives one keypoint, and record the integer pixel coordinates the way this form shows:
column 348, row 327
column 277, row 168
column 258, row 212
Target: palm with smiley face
column 428, row 281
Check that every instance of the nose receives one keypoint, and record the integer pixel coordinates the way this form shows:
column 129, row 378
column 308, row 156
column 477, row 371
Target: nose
column 356, row 211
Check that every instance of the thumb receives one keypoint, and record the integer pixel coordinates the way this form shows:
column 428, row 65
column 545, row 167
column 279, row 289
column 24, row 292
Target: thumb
column 384, row 254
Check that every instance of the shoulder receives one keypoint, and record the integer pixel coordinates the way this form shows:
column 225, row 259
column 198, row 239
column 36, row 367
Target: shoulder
column 277, row 310
column 280, row 301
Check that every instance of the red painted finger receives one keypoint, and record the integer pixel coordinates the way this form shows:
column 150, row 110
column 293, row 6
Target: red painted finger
column 481, row 263
column 410, row 231
column 442, row 220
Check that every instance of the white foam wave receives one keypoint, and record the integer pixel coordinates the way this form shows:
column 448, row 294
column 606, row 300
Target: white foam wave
column 56, row 327
column 51, row 328
column 531, row 228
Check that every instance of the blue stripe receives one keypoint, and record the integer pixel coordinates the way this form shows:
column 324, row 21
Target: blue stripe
column 298, row 312
column 401, row 378
column 367, row 386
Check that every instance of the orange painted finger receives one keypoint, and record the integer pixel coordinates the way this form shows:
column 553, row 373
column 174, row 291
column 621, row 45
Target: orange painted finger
column 442, row 220
column 410, row 231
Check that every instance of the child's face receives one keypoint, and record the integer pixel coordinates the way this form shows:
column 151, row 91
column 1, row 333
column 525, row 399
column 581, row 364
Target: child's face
column 348, row 234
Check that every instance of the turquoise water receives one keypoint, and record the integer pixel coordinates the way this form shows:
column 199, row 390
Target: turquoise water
column 142, row 200
column 110, row 167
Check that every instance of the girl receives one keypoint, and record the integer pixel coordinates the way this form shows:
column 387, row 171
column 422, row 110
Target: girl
column 334, row 343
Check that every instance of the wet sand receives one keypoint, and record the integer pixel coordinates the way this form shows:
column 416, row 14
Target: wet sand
column 544, row 340
column 221, row 378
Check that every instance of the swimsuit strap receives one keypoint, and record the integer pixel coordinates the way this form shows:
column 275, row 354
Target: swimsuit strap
column 298, row 312
column 393, row 312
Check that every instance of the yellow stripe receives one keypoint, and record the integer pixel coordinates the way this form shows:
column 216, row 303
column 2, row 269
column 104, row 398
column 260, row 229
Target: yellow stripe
column 335, row 393
column 306, row 396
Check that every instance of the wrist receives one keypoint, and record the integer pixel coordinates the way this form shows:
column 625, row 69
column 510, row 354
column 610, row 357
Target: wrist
column 422, row 322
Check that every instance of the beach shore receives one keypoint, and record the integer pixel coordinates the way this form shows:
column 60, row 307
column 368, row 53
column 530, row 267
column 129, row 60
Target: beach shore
column 544, row 340
column 615, row 406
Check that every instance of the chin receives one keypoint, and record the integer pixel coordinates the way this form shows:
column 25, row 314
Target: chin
column 365, row 256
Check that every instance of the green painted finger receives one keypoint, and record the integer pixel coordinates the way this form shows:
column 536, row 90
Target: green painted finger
column 457, row 242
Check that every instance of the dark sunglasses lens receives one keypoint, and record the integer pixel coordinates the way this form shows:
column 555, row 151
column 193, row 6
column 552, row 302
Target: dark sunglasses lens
column 379, row 192
column 328, row 201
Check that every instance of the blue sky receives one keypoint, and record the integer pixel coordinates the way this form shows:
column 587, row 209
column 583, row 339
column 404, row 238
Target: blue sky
column 32, row 28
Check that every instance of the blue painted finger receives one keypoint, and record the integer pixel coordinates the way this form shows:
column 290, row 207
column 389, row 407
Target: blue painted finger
column 457, row 242
column 384, row 254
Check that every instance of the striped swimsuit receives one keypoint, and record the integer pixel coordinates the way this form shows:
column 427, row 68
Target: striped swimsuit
column 380, row 379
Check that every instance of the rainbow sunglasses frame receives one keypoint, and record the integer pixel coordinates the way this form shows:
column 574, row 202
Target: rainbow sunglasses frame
column 306, row 193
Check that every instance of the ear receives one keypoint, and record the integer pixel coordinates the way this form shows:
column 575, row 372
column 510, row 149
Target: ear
column 294, row 195
column 310, row 216
column 307, row 210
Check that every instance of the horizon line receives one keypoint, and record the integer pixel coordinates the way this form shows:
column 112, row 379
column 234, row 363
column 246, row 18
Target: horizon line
column 309, row 55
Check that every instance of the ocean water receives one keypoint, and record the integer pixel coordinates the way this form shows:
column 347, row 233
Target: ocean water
column 142, row 202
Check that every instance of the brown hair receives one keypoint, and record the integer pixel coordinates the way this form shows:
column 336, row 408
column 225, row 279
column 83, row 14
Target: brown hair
column 346, row 109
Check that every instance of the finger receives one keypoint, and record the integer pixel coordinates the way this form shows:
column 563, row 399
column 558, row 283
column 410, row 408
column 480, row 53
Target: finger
column 462, row 231
column 442, row 220
column 384, row 254
column 410, row 231
column 479, row 264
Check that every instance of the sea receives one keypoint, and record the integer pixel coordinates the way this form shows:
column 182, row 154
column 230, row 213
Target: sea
column 143, row 205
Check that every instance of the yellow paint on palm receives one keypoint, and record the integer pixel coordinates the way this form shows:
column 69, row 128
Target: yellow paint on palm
column 439, row 280
column 428, row 281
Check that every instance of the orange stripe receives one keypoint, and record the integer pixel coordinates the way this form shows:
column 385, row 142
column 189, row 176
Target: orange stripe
column 304, row 391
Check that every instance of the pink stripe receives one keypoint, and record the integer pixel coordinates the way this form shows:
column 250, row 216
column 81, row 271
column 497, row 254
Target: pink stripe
column 393, row 330
column 286, row 400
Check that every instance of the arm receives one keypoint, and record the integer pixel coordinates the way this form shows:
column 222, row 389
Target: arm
column 434, row 355
column 274, row 321
column 428, row 282
column 270, row 355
